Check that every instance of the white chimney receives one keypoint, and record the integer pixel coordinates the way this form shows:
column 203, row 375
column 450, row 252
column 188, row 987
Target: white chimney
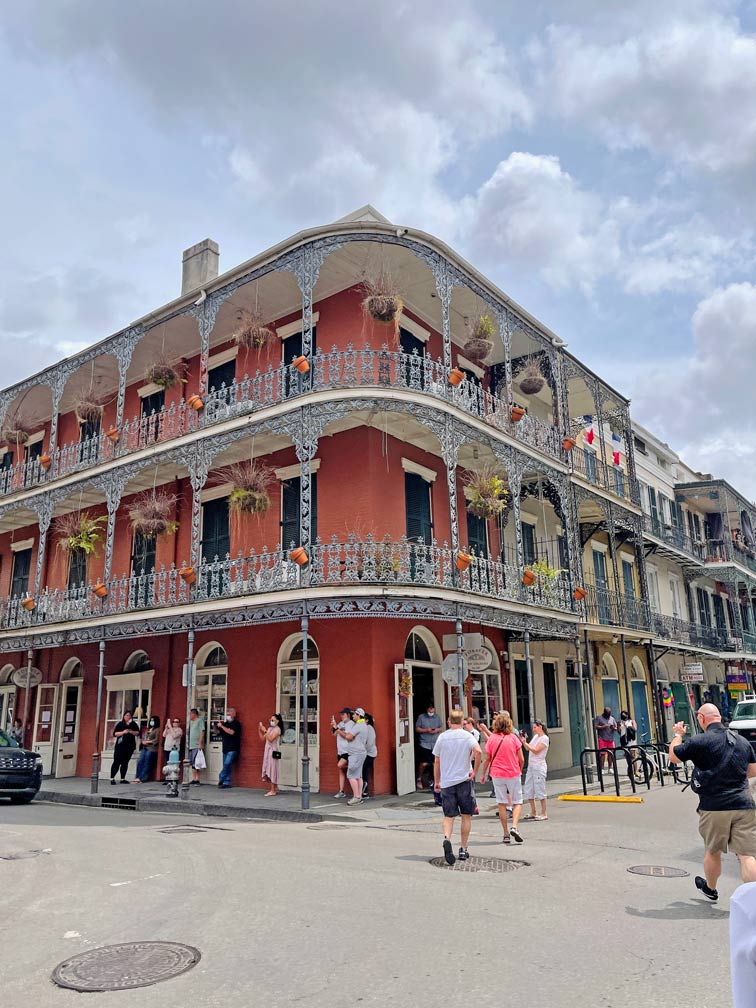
column 199, row 265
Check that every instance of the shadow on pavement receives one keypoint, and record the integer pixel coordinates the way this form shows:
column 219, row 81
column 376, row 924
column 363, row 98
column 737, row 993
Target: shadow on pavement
column 680, row 911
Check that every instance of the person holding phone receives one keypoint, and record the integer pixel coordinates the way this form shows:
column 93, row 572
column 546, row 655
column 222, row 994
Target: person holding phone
column 231, row 732
column 271, row 735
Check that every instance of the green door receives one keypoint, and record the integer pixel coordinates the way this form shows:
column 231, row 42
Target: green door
column 577, row 724
column 682, row 705
column 640, row 710
column 611, row 699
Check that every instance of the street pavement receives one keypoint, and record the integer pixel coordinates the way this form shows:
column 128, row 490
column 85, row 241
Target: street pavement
column 352, row 913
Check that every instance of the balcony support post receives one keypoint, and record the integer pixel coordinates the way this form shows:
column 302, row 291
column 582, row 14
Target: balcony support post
column 112, row 485
column 198, row 461
column 95, row 776
column 44, row 507
column 305, row 720
column 623, row 652
column 529, row 674
column 444, row 288
column 505, row 333
column 57, row 385
column 124, row 350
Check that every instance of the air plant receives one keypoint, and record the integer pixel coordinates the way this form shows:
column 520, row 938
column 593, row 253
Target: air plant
column 487, row 492
column 150, row 515
column 165, row 375
column 382, row 301
column 531, row 378
column 250, row 492
column 252, row 333
column 77, row 532
column 480, row 345
column 88, row 408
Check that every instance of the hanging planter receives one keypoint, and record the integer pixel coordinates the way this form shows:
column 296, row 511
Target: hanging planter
column 301, row 364
column 188, row 575
column 382, row 301
column 150, row 515
column 543, row 570
column 15, row 434
column 112, row 434
column 299, row 556
column 250, row 491
column 100, row 590
column 165, row 375
column 252, row 333
column 45, row 461
column 487, row 492
column 88, row 410
column 516, row 413
column 480, row 345
column 456, row 375
column 531, row 379
column 77, row 532
column 568, row 444
column 528, row 577
column 579, row 594
column 195, row 402
column 463, row 560
column 29, row 604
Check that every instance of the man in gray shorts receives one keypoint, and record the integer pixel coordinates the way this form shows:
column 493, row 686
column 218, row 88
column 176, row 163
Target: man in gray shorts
column 457, row 758
column 356, row 746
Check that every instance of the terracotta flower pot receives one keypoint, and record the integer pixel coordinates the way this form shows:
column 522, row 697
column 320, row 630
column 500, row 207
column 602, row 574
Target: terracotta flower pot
column 188, row 574
column 455, row 376
column 195, row 402
column 528, row 577
column 100, row 590
column 301, row 364
column 299, row 556
column 29, row 604
column 579, row 594
column 45, row 462
column 463, row 561
column 568, row 443
column 516, row 414
column 112, row 434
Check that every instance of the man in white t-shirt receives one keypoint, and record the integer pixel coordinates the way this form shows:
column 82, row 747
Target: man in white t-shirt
column 457, row 758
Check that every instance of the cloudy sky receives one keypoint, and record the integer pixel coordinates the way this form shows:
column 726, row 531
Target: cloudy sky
column 597, row 160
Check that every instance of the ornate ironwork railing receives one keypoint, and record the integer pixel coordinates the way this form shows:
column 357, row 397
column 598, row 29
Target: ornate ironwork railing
column 336, row 369
column 735, row 551
column 592, row 467
column 607, row 607
column 353, row 563
column 674, row 536
column 672, row 628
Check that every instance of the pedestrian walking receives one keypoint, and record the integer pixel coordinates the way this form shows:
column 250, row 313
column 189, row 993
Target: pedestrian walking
column 456, row 761
column 605, row 726
column 356, row 740
column 743, row 945
column 172, row 734
column 505, row 761
column 231, row 736
column 346, row 724
column 535, row 778
column 427, row 727
column 147, row 761
column 126, row 732
column 271, row 735
column 372, row 753
column 196, row 732
column 723, row 762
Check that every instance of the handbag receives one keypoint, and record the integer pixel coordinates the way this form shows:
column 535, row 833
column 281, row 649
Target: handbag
column 276, row 754
column 200, row 762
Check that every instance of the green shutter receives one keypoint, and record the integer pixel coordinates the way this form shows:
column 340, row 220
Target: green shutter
column 290, row 520
column 216, row 539
column 417, row 505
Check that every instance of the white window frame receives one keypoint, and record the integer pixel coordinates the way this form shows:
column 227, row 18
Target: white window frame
column 296, row 326
column 223, row 357
column 415, row 328
column 429, row 475
column 292, row 471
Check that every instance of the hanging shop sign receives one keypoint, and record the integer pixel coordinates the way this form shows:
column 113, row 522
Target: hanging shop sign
column 469, row 641
column 692, row 672
column 449, row 669
column 22, row 675
column 737, row 678
column 478, row 659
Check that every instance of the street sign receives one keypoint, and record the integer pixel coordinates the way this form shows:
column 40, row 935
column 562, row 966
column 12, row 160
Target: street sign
column 450, row 672
column 692, row 672
column 19, row 677
column 478, row 659
column 469, row 641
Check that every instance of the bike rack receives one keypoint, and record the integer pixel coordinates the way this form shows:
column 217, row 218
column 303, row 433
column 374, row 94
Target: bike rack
column 615, row 768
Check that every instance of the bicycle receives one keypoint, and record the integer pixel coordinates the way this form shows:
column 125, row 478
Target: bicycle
column 650, row 761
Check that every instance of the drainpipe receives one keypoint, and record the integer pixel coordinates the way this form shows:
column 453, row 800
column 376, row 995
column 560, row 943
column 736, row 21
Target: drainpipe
column 591, row 700
column 95, row 779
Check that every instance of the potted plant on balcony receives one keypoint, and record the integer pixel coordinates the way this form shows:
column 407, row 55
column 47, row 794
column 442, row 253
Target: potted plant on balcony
column 480, row 344
column 250, row 491
column 382, row 301
column 542, row 572
column 531, row 378
column 486, row 491
column 151, row 513
column 164, row 374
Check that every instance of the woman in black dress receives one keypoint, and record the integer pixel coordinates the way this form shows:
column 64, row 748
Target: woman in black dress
column 126, row 732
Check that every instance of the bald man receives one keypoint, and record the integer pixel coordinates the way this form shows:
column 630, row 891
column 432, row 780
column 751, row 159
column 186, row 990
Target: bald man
column 723, row 763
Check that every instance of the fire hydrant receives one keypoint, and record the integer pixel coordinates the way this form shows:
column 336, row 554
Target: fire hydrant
column 171, row 772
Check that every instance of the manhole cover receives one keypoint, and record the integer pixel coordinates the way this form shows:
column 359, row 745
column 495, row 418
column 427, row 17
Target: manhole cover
column 487, row 864
column 658, row 871
column 123, row 967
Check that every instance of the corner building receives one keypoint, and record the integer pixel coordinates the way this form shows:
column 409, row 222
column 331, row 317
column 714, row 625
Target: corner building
column 374, row 452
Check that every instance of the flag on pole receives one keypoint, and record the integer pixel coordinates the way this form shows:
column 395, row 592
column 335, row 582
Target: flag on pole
column 589, row 434
column 616, row 442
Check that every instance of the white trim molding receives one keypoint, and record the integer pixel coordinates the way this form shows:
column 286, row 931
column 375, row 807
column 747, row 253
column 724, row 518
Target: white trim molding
column 22, row 544
column 294, row 327
column 429, row 475
column 292, row 471
column 222, row 358
column 469, row 366
column 216, row 492
column 415, row 328
column 150, row 389
column 34, row 439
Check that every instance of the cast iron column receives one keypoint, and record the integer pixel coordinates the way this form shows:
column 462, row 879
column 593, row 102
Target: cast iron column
column 305, row 718
column 95, row 779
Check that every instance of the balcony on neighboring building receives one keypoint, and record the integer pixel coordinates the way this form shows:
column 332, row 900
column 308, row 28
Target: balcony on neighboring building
column 675, row 538
column 679, row 631
column 588, row 464
column 607, row 608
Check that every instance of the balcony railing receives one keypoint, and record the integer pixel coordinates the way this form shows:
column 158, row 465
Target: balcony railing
column 607, row 607
column 336, row 369
column 674, row 536
column 593, row 468
column 724, row 550
column 672, row 628
column 353, row 563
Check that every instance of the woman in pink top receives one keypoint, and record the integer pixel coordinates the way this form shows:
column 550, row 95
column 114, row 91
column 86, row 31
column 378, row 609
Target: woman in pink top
column 505, row 761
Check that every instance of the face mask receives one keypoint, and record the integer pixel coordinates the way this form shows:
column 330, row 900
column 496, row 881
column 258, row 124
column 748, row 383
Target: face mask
column 228, row 717
column 152, row 724
column 272, row 722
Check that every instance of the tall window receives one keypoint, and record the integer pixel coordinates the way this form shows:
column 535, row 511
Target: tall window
column 152, row 406
column 619, row 481
column 77, row 570
column 290, row 520
column 590, row 464
column 528, row 543
column 521, row 694
column 216, row 539
column 704, row 612
column 477, row 537
column 415, row 349
column 89, row 444
column 143, row 554
column 674, row 591
column 220, row 379
column 551, row 695
column 21, row 569
column 719, row 613
column 418, row 508
column 653, row 589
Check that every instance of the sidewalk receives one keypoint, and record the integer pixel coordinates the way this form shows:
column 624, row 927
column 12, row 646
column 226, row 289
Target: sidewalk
column 249, row 803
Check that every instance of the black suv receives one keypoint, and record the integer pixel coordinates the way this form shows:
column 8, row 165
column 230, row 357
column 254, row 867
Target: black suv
column 20, row 771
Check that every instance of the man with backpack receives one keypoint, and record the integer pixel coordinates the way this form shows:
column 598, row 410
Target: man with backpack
column 723, row 763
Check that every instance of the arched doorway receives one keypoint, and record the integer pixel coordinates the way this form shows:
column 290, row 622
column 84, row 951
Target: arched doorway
column 418, row 683
column 291, row 707
column 210, row 699
column 610, row 684
column 7, row 697
column 68, row 714
column 640, row 699
column 131, row 690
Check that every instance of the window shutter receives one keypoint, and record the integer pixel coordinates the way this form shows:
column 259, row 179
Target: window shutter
column 216, row 538
column 417, row 506
column 21, row 569
column 290, row 520
column 476, row 535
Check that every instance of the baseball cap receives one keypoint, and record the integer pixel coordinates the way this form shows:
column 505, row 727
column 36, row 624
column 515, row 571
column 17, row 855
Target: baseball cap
column 359, row 711
column 345, row 710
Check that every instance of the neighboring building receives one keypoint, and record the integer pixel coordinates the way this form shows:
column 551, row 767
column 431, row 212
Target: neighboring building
column 371, row 448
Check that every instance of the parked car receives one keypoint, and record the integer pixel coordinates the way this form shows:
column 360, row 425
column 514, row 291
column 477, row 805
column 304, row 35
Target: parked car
column 744, row 719
column 20, row 771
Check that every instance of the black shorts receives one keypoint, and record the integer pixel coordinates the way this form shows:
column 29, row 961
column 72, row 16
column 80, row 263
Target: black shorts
column 459, row 799
column 340, row 757
column 424, row 756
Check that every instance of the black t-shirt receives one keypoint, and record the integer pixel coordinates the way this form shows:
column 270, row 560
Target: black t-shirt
column 127, row 741
column 726, row 791
column 231, row 743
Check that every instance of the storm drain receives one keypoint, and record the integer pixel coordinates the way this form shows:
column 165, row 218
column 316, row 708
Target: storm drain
column 124, row 967
column 484, row 864
column 125, row 804
column 658, row 871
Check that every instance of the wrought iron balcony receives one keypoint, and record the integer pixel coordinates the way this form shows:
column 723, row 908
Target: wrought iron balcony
column 337, row 369
column 732, row 551
column 354, row 563
column 672, row 628
column 592, row 467
column 607, row 607
column 674, row 536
